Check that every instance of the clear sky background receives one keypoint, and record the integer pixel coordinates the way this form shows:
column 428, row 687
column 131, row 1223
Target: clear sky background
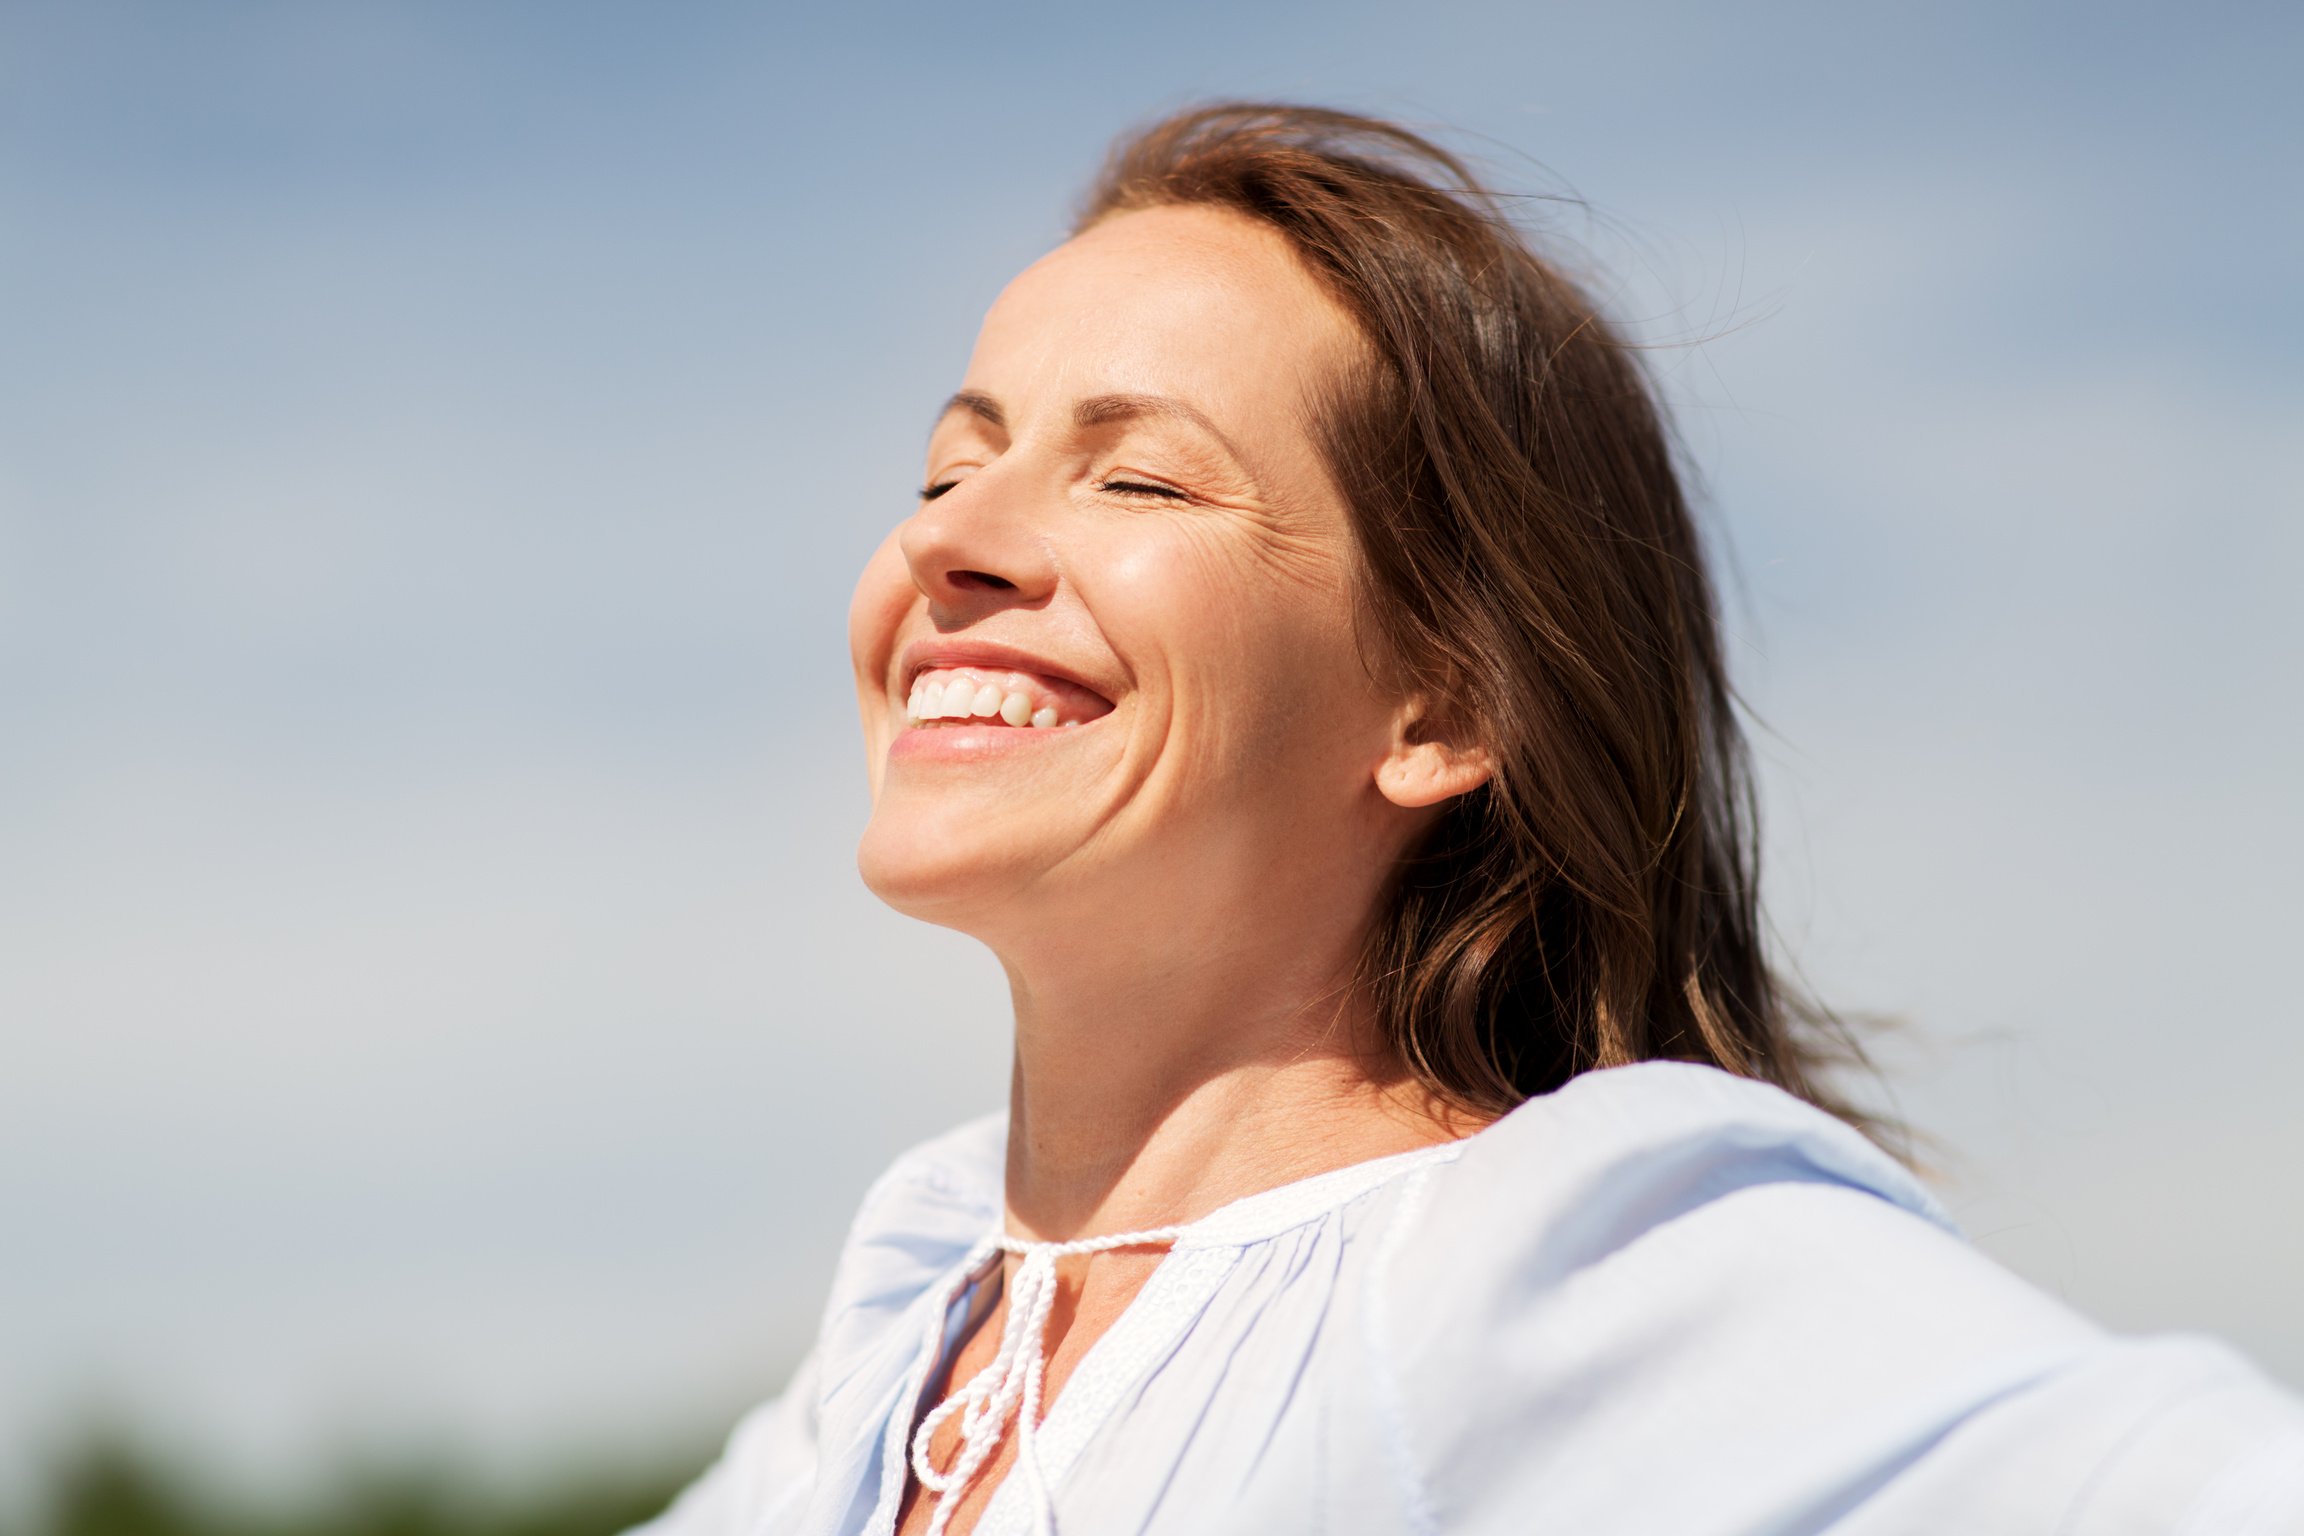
column 437, row 441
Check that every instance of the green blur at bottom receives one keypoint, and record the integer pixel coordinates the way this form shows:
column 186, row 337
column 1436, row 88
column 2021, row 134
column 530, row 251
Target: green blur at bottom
column 109, row 1486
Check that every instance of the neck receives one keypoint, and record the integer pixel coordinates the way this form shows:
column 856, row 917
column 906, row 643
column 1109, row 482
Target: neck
column 1147, row 1093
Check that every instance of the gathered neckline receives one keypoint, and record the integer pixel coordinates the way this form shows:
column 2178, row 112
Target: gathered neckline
column 1009, row 1389
column 1268, row 1212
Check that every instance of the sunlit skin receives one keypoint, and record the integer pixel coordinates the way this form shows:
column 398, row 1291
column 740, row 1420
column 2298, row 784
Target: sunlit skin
column 1127, row 503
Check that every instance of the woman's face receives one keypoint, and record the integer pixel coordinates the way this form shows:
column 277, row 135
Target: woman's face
column 1108, row 667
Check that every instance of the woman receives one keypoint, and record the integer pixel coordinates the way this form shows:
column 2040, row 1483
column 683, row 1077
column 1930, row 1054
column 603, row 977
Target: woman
column 1302, row 673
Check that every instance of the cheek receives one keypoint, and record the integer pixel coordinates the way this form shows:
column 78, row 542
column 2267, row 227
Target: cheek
column 1259, row 655
column 883, row 595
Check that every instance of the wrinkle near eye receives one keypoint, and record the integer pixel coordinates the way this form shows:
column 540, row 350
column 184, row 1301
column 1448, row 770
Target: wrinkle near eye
column 1298, row 550
column 1171, row 452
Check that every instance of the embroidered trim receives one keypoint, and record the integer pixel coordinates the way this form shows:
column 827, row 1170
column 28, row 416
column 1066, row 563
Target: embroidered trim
column 1011, row 1384
column 1010, row 1387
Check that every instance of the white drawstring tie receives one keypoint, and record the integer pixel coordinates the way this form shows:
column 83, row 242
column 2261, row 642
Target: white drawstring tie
column 1012, row 1382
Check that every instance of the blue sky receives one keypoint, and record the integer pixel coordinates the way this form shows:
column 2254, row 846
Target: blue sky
column 436, row 443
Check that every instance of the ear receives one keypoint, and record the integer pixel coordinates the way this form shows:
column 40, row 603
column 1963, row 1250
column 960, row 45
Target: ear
column 1430, row 761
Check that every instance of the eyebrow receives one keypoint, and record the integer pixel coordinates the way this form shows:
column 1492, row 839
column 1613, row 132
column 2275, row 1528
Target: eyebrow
column 976, row 403
column 1099, row 410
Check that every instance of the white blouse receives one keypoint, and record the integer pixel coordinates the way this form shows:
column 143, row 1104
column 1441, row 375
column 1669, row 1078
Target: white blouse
column 1662, row 1301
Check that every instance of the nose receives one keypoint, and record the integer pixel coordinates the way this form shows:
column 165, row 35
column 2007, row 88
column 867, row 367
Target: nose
column 977, row 549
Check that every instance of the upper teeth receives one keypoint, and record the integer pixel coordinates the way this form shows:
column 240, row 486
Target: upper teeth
column 961, row 696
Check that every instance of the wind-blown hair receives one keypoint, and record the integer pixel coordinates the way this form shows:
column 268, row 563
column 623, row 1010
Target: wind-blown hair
column 1528, row 562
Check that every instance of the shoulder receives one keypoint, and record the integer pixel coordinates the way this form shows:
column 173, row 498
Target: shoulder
column 1670, row 1203
column 1618, row 1151
column 1674, row 1216
column 1666, row 1265
column 916, row 1221
column 958, row 1174
column 1622, row 1162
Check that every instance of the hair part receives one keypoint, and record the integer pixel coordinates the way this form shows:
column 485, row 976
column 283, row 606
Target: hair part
column 1530, row 565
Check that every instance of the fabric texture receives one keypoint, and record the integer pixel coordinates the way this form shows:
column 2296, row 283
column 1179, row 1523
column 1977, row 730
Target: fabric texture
column 1662, row 1301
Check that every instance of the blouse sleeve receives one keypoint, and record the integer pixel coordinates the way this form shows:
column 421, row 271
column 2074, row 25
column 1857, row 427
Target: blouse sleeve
column 1704, row 1308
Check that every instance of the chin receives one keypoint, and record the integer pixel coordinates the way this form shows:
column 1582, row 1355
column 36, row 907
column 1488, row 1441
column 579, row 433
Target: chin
column 956, row 876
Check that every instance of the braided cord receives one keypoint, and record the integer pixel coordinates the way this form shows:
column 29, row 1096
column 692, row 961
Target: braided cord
column 1012, row 1384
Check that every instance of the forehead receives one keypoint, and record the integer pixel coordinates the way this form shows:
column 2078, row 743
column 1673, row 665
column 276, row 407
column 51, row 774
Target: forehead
column 1195, row 302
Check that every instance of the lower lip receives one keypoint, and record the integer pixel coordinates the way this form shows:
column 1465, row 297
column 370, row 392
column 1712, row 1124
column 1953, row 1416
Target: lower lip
column 975, row 743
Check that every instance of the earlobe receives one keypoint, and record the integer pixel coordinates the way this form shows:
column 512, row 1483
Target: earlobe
column 1426, row 766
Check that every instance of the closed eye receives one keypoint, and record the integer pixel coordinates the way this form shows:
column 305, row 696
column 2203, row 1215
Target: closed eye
column 1144, row 488
column 1124, row 487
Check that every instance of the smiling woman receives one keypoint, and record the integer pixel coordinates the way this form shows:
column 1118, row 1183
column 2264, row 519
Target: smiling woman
column 1182, row 596
column 1301, row 672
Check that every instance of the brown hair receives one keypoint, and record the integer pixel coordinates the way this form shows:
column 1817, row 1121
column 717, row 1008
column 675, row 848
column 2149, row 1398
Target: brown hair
column 1529, row 561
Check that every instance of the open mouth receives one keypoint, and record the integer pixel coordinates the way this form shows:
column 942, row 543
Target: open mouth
column 948, row 696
